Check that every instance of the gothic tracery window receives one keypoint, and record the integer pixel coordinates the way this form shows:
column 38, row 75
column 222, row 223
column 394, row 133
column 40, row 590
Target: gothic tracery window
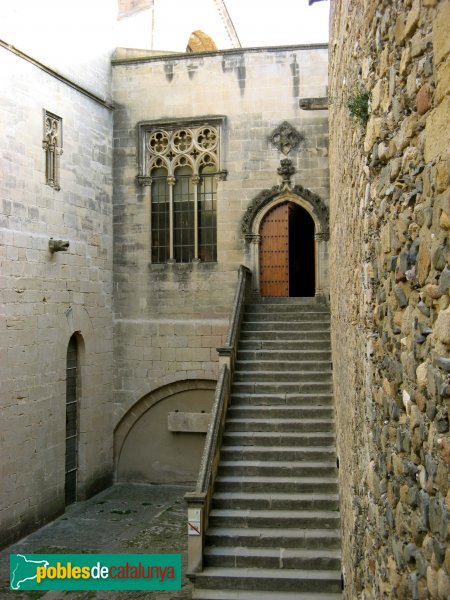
column 181, row 164
column 52, row 144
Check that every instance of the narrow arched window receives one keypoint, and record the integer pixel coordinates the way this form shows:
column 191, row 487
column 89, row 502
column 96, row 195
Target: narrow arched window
column 52, row 144
column 207, row 215
column 71, row 421
column 183, row 216
column 160, row 216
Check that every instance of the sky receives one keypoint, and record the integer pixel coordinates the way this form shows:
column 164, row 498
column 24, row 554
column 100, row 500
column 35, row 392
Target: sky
column 76, row 38
column 279, row 22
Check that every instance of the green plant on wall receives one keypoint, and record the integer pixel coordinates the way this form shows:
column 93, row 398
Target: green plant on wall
column 358, row 106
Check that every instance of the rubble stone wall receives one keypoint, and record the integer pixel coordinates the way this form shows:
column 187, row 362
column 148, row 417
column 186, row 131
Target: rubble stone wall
column 390, row 278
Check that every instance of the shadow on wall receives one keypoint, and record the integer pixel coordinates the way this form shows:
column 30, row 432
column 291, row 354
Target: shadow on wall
column 146, row 451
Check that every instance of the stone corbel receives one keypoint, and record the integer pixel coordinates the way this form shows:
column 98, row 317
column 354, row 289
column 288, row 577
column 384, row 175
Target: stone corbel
column 314, row 103
column 58, row 245
column 144, row 180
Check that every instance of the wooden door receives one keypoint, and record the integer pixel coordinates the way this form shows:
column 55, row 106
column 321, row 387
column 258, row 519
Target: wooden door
column 274, row 253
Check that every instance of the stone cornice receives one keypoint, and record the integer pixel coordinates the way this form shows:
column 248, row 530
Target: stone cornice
column 191, row 55
column 56, row 75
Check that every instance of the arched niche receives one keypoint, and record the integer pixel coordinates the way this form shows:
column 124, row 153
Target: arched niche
column 261, row 206
column 146, row 451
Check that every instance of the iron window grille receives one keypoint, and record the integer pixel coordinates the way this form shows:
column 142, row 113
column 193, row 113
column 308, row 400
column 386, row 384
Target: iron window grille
column 180, row 164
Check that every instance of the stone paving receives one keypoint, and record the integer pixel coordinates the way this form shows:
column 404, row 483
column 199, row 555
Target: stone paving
column 123, row 519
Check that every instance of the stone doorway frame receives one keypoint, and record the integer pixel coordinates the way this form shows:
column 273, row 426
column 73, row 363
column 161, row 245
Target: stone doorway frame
column 313, row 204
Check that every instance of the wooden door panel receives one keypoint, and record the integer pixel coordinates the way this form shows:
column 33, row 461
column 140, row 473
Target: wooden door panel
column 274, row 253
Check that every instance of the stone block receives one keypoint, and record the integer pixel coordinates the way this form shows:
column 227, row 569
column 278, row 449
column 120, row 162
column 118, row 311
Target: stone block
column 423, row 262
column 442, row 81
column 441, row 329
column 400, row 296
column 419, row 43
column 373, row 132
column 412, row 19
column 437, row 132
column 443, row 584
column 406, row 133
column 383, row 63
column 405, row 60
column 444, row 220
column 376, row 94
column 423, row 99
column 188, row 422
column 441, row 39
column 399, row 29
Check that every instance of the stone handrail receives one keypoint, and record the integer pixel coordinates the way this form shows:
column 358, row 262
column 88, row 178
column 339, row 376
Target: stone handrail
column 199, row 501
column 227, row 353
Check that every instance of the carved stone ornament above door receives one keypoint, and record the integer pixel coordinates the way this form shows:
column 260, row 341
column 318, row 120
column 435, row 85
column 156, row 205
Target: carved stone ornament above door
column 286, row 138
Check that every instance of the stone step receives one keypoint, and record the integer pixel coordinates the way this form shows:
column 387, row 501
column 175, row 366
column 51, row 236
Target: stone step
column 280, row 425
column 276, row 500
column 295, row 484
column 297, row 468
column 276, row 439
column 286, row 387
column 282, row 399
column 326, row 519
column 275, row 580
column 280, row 305
column 284, row 355
column 298, row 300
column 290, row 326
column 303, row 377
column 278, row 453
column 284, row 341
column 307, row 337
column 273, row 558
column 277, row 366
column 246, row 411
column 209, row 594
column 263, row 537
column 294, row 316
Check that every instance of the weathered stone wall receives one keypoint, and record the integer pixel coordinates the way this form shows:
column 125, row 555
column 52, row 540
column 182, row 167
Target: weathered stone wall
column 45, row 297
column 390, row 277
column 170, row 318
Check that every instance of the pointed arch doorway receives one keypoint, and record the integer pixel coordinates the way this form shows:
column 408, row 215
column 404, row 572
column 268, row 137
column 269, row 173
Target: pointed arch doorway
column 287, row 252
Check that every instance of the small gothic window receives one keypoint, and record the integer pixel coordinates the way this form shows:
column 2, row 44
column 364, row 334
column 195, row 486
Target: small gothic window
column 52, row 144
column 181, row 164
column 71, row 421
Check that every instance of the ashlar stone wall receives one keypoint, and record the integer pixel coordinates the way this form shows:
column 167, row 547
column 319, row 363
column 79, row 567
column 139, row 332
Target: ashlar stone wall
column 170, row 318
column 47, row 297
column 390, row 277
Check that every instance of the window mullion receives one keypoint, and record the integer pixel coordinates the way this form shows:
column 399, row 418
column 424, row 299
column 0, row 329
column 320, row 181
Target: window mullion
column 195, row 183
column 171, row 183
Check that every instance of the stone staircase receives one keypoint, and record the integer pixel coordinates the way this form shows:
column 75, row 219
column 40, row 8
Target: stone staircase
column 274, row 525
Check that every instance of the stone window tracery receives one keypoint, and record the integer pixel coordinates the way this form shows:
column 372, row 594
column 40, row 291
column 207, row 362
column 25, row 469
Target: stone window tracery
column 52, row 144
column 181, row 165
